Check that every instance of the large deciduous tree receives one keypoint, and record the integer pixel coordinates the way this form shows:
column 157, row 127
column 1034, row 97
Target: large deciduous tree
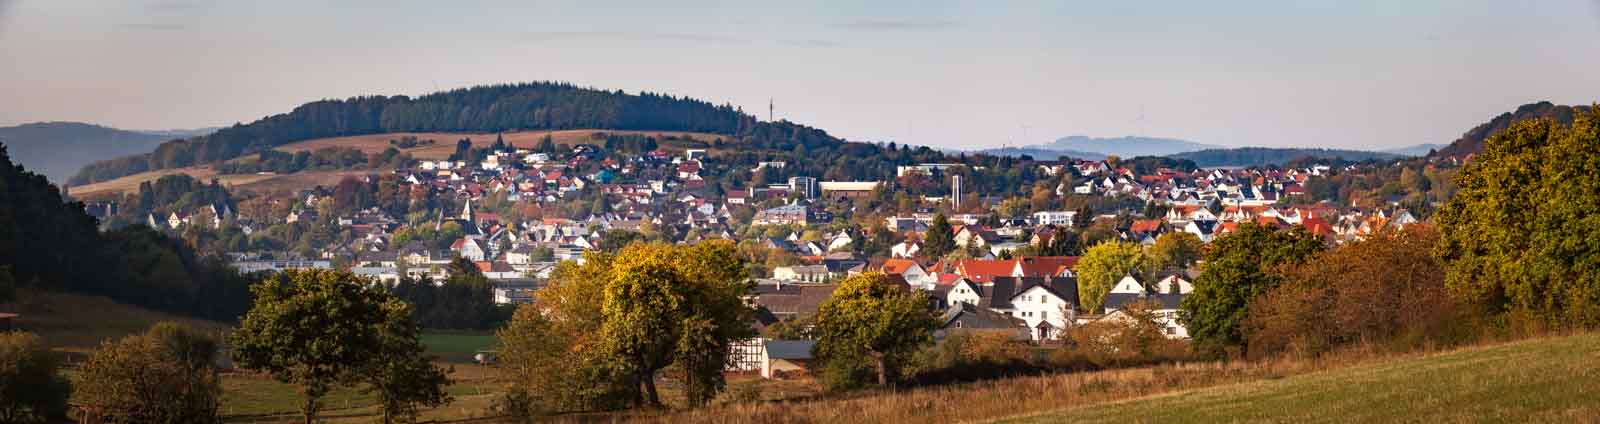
column 1520, row 235
column 320, row 329
column 1174, row 251
column 1239, row 267
column 867, row 318
column 1101, row 267
column 603, row 331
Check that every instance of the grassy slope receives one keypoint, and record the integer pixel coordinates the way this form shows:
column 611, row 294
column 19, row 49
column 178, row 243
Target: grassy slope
column 1546, row 380
column 445, row 144
column 78, row 323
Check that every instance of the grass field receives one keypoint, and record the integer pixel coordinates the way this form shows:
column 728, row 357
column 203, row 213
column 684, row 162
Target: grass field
column 77, row 323
column 457, row 347
column 1555, row 379
column 1545, row 380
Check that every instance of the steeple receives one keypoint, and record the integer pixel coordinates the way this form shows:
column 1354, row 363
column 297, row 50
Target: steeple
column 466, row 211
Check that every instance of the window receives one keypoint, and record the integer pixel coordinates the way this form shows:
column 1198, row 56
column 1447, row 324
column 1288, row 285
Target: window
column 958, row 324
column 1042, row 300
column 1044, row 314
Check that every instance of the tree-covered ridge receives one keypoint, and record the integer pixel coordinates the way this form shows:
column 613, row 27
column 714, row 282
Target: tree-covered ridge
column 1472, row 141
column 490, row 108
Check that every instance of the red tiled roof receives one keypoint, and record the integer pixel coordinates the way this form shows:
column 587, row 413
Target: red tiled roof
column 897, row 266
column 982, row 271
column 1047, row 266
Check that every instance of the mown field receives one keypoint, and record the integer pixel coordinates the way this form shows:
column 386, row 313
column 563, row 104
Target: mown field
column 1554, row 379
column 1545, row 380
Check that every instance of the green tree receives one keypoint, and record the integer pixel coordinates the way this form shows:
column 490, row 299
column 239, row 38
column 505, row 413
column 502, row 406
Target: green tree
column 1239, row 267
column 31, row 389
column 868, row 318
column 403, row 376
column 1100, row 269
column 940, row 239
column 601, row 333
column 1519, row 234
column 1174, row 251
column 318, row 329
column 165, row 375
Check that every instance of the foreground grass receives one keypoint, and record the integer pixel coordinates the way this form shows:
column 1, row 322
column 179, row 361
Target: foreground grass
column 257, row 398
column 1549, row 379
column 1545, row 380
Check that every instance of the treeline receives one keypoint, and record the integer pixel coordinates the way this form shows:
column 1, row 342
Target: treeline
column 1260, row 156
column 463, row 301
column 48, row 243
column 327, row 158
column 538, row 105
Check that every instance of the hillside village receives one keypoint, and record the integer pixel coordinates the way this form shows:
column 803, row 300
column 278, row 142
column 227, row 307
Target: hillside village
column 989, row 285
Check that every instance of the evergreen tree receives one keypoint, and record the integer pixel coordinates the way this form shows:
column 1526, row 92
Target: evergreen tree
column 940, row 239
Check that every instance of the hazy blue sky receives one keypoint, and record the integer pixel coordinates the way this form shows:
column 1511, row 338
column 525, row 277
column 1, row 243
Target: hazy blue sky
column 1358, row 74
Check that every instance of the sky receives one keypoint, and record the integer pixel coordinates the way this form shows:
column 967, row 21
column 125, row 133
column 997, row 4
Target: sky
column 1336, row 74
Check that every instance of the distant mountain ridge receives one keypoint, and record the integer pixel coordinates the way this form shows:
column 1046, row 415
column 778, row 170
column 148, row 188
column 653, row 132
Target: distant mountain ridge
column 1416, row 150
column 1041, row 153
column 1258, row 156
column 1128, row 146
column 57, row 149
column 1086, row 147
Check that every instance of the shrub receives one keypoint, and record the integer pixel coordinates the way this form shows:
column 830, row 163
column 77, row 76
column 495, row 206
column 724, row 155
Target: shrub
column 31, row 391
column 164, row 375
column 1386, row 290
column 1130, row 338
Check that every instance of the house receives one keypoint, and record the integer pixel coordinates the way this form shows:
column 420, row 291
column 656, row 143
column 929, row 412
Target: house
column 792, row 301
column 807, row 273
column 515, row 291
column 906, row 249
column 1059, row 218
column 1047, row 305
column 1163, row 301
column 910, row 270
column 785, row 358
column 966, row 317
column 469, row 248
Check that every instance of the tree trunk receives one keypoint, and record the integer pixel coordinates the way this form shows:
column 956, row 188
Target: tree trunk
column 883, row 374
column 650, row 390
column 310, row 410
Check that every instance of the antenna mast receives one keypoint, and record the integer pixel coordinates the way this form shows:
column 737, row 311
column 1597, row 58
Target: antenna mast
column 769, row 110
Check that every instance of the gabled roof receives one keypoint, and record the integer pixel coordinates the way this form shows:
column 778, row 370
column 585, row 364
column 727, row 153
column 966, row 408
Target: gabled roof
column 790, row 349
column 1046, row 266
column 978, row 318
column 898, row 266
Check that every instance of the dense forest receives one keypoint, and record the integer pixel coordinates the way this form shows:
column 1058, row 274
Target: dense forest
column 1472, row 141
column 539, row 105
column 51, row 244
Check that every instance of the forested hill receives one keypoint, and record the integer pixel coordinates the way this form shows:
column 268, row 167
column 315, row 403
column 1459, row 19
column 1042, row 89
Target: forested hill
column 1472, row 141
column 1258, row 156
column 526, row 106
